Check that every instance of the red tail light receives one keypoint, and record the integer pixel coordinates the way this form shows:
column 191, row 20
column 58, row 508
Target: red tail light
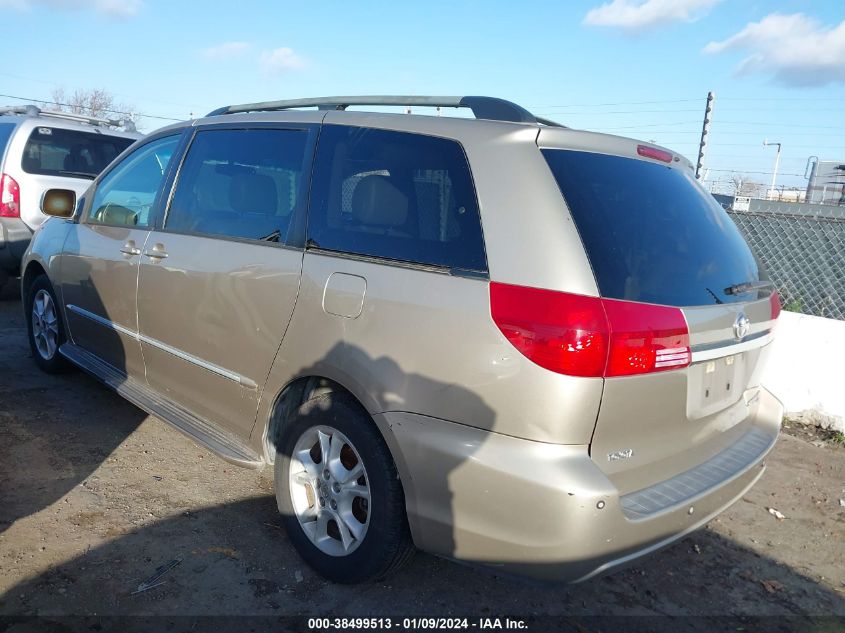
column 645, row 338
column 563, row 332
column 653, row 152
column 774, row 299
column 589, row 336
column 10, row 197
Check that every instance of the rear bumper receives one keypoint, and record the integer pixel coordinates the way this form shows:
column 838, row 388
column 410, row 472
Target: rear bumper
column 548, row 511
column 15, row 236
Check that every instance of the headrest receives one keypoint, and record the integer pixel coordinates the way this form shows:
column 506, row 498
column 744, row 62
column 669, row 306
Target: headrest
column 378, row 201
column 253, row 193
column 31, row 164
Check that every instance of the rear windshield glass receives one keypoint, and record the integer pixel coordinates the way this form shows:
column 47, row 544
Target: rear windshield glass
column 651, row 232
column 71, row 153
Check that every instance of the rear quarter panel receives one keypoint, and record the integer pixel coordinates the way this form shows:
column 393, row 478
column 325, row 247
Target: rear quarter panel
column 425, row 342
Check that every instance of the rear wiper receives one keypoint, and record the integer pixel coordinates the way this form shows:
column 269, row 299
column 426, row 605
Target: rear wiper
column 748, row 286
column 272, row 237
column 84, row 174
column 713, row 294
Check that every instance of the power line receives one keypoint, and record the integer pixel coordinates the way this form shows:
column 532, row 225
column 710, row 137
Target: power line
column 835, row 147
column 632, row 127
column 744, row 171
column 724, row 133
column 116, row 94
column 68, row 105
column 597, row 105
column 782, row 99
column 795, row 125
column 603, row 112
column 721, row 122
column 674, row 110
column 690, row 100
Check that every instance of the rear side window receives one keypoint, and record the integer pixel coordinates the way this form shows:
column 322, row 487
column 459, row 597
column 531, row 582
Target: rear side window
column 6, row 130
column 56, row 152
column 240, row 183
column 395, row 195
column 652, row 234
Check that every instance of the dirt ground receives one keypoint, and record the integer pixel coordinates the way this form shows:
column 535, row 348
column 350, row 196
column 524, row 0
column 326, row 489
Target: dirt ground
column 95, row 495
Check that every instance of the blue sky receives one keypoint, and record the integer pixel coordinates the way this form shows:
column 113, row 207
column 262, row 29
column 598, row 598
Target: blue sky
column 639, row 68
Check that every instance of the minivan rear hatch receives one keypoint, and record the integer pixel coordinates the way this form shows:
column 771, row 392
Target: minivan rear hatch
column 654, row 236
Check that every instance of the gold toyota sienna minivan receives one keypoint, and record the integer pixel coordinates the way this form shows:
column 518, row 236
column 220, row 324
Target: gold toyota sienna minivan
column 498, row 339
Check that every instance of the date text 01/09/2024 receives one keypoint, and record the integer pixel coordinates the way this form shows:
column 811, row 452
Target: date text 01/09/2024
column 409, row 624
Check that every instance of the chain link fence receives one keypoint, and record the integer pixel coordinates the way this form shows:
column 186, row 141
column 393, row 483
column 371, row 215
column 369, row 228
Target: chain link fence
column 802, row 247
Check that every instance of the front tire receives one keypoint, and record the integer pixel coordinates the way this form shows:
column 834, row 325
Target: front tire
column 339, row 493
column 45, row 326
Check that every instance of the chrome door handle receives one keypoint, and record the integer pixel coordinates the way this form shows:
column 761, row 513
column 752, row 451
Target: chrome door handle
column 157, row 252
column 129, row 249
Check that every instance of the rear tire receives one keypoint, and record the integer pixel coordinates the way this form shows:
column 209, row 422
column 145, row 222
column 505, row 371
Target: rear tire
column 45, row 326
column 335, row 479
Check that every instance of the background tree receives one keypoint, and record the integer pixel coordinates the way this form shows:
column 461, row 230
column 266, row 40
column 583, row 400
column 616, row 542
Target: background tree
column 95, row 103
column 745, row 186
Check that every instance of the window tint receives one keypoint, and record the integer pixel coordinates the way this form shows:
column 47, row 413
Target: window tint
column 651, row 232
column 127, row 192
column 240, row 183
column 395, row 195
column 57, row 152
column 6, row 130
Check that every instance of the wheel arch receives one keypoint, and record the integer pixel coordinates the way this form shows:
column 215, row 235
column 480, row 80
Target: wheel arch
column 33, row 270
column 303, row 387
column 289, row 399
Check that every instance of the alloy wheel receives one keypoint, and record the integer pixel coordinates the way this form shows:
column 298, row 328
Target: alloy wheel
column 330, row 490
column 45, row 324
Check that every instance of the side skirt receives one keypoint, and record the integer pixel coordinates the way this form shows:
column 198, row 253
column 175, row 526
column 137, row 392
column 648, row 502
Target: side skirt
column 209, row 435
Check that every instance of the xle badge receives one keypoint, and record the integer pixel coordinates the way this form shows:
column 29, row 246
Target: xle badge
column 612, row 457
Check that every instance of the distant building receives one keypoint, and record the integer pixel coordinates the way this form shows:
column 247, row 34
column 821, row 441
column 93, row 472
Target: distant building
column 827, row 182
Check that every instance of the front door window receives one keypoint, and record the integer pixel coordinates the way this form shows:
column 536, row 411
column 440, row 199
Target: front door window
column 126, row 194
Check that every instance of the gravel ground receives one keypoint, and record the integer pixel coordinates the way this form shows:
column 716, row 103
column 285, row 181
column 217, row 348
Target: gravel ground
column 95, row 495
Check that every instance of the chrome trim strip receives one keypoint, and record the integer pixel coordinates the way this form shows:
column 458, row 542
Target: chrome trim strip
column 102, row 321
column 221, row 371
column 731, row 341
column 199, row 362
column 709, row 353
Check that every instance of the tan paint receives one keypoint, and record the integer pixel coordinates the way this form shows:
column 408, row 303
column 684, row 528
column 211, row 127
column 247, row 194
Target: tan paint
column 425, row 342
column 98, row 277
column 224, row 302
column 498, row 457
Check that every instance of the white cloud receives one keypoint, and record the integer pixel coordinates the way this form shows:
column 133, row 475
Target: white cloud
column 280, row 60
column 119, row 8
column 795, row 49
column 639, row 15
column 226, row 50
column 111, row 8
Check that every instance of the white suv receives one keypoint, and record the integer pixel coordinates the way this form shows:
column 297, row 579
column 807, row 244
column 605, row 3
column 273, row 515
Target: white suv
column 41, row 150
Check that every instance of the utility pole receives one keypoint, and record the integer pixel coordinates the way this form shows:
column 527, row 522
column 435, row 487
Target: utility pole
column 775, row 170
column 705, row 130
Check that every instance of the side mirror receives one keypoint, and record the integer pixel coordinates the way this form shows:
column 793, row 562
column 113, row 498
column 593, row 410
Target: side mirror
column 59, row 203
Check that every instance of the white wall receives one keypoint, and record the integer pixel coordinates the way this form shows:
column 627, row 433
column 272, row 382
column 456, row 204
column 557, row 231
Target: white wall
column 806, row 368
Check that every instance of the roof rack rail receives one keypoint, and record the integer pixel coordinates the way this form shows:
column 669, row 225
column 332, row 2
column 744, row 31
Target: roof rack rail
column 491, row 108
column 31, row 110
